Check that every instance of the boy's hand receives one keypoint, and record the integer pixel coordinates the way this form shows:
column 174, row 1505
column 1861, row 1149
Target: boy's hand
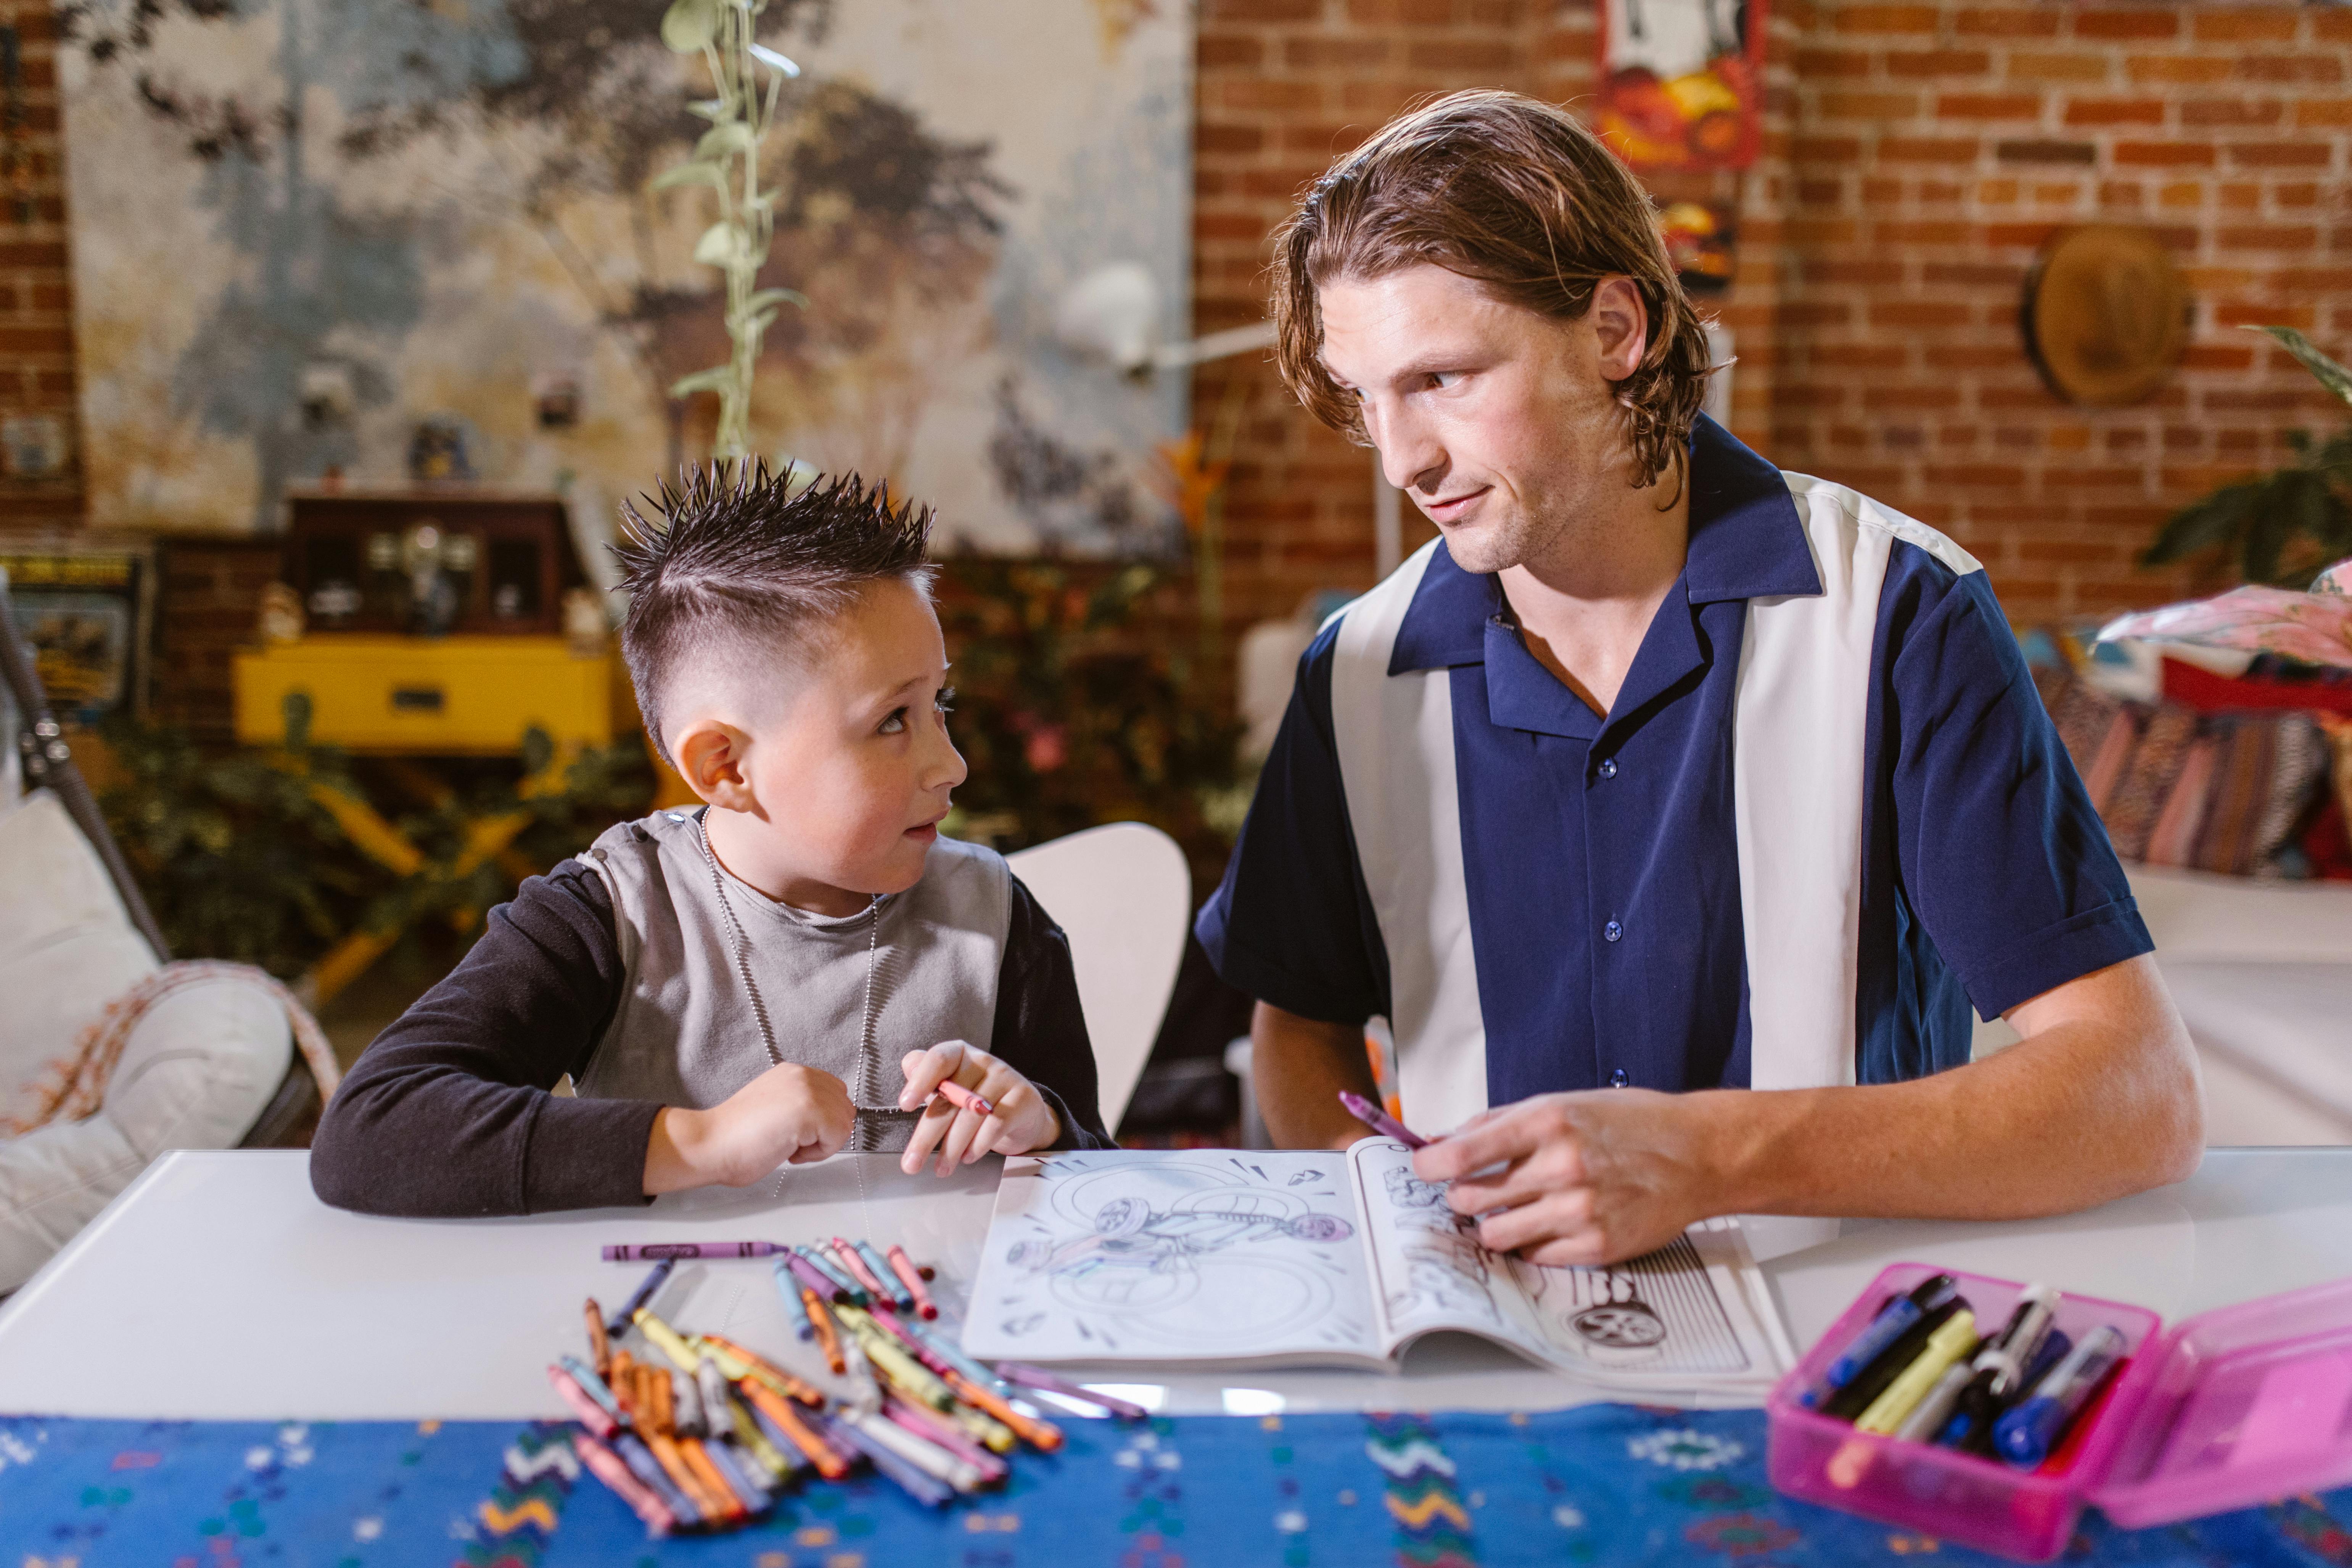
column 788, row 1115
column 1019, row 1119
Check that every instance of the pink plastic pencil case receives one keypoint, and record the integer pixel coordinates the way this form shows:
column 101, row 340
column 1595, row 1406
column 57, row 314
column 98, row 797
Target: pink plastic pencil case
column 2223, row 1411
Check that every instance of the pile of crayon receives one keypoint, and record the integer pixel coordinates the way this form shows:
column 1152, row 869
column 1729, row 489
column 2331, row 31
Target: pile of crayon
column 696, row 1432
column 1919, row 1372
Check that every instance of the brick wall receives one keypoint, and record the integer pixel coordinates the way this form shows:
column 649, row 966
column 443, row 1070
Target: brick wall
column 1915, row 156
column 35, row 299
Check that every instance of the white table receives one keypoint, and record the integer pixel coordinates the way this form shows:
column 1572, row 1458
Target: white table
column 217, row 1287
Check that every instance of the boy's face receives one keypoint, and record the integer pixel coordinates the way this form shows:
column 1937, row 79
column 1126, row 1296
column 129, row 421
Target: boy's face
column 849, row 771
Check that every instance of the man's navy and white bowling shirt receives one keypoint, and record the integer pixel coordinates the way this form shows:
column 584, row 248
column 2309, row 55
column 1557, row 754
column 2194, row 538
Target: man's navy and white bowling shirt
column 1826, row 815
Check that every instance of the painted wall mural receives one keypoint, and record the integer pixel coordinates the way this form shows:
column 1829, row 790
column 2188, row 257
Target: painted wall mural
column 314, row 238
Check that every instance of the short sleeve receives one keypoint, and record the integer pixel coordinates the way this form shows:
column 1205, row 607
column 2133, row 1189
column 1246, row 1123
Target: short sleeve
column 2000, row 853
column 1291, row 924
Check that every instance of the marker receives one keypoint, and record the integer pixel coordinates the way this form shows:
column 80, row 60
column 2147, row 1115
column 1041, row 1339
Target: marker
column 650, row 1251
column 1849, row 1402
column 1928, row 1417
column 1999, row 1366
column 2025, row 1434
column 1379, row 1121
column 600, row 1345
column 955, row 1094
column 1974, row 1432
column 1033, row 1377
column 1954, row 1340
column 610, row 1468
column 1894, row 1320
column 639, row 1297
column 885, row 1284
column 912, row 1279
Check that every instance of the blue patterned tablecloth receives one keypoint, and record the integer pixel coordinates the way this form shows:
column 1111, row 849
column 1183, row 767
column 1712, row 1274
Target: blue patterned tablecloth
column 1607, row 1484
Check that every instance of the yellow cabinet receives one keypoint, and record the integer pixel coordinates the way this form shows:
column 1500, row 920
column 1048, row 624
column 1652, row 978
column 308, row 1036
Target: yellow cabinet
column 420, row 695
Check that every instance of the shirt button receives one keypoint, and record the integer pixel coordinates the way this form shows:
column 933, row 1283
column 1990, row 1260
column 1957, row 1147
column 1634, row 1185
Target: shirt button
column 1608, row 768
column 1620, row 1079
column 1612, row 930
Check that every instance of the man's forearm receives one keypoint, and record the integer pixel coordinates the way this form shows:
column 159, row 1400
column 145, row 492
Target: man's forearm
column 1298, row 1067
column 2100, row 1101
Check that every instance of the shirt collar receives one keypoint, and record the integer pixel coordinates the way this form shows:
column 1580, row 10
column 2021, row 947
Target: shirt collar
column 1746, row 543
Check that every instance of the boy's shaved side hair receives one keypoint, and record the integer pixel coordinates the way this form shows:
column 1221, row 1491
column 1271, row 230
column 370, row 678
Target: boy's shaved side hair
column 740, row 560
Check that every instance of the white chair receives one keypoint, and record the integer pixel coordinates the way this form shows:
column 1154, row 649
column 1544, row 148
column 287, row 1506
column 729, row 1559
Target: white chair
column 1124, row 895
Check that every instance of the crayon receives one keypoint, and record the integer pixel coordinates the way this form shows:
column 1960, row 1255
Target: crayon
column 942, row 1434
column 729, row 1464
column 757, row 1366
column 668, row 1341
column 1033, row 1377
column 712, row 1506
column 821, row 1322
column 922, row 1488
column 955, row 1094
column 646, row 1468
column 796, row 1431
column 592, row 1415
column 1043, row 1436
column 732, row 1504
column 687, row 1413
column 609, row 1468
column 640, row 1296
column 790, row 1452
column 600, row 1344
column 650, row 1251
column 847, row 1255
column 935, row 1462
column 1379, row 1121
column 913, row 1278
column 594, row 1386
column 844, row 1287
column 886, row 1284
column 776, row 1463
column 624, row 1385
column 806, row 1277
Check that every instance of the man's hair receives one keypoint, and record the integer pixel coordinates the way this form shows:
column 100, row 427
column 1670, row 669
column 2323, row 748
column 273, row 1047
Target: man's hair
column 1514, row 194
column 739, row 559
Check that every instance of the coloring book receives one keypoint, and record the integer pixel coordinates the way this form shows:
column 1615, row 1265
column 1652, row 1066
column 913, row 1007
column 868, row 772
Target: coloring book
column 1257, row 1257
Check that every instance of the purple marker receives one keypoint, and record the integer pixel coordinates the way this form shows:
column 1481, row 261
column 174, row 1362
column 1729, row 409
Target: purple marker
column 1379, row 1121
column 653, row 1250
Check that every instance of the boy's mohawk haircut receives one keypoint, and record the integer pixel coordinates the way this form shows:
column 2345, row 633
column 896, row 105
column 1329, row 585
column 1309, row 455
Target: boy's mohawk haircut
column 736, row 555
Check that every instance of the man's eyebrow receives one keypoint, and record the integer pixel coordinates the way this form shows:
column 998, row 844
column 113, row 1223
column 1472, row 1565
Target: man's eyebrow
column 1427, row 363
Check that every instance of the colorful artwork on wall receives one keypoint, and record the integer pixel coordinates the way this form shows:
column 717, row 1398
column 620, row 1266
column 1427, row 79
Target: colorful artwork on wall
column 353, row 217
column 1682, row 82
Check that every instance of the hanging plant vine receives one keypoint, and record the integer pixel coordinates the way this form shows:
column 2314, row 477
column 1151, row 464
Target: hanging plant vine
column 747, row 78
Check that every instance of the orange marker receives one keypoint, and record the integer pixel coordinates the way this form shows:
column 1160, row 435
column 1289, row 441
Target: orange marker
column 912, row 1279
column 821, row 1321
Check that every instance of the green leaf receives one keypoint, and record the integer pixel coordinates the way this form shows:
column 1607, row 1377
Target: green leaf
column 709, row 108
column 2218, row 519
column 709, row 380
column 761, row 322
column 710, row 174
column 720, row 244
column 2275, row 521
column 767, row 296
column 2332, row 375
column 721, row 142
column 688, row 26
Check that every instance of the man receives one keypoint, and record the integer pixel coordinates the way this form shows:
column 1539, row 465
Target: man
column 1673, row 809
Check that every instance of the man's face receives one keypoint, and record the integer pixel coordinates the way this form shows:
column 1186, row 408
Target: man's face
column 1501, row 424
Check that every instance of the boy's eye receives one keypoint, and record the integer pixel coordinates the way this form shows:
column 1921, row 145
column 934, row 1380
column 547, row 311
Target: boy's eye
column 895, row 724
column 945, row 700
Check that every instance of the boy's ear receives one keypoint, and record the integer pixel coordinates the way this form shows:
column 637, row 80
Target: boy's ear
column 710, row 756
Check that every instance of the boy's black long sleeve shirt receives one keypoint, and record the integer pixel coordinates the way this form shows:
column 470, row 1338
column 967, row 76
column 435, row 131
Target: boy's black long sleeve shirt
column 448, row 1112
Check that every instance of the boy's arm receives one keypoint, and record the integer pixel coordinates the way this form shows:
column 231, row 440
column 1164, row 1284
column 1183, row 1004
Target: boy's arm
column 448, row 1113
column 1040, row 1030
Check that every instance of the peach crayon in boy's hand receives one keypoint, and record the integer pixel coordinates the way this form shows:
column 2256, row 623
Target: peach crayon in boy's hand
column 955, row 1094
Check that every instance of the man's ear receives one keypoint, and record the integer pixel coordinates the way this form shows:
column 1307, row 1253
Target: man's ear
column 711, row 755
column 1621, row 326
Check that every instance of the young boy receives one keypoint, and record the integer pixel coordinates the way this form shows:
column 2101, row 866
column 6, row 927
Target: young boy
column 727, row 985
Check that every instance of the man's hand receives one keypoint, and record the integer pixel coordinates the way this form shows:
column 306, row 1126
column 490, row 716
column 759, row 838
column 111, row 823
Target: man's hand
column 1018, row 1121
column 1586, row 1178
column 788, row 1115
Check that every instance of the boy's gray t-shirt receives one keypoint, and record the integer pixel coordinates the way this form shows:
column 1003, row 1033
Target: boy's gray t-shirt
column 684, row 1032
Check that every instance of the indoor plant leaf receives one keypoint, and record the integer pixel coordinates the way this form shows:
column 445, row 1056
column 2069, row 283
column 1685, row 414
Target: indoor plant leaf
column 767, row 296
column 720, row 244
column 2332, row 375
column 723, row 141
column 710, row 174
column 709, row 380
column 2218, row 519
column 689, row 25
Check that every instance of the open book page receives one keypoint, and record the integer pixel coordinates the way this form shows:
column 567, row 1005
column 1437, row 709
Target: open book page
column 1681, row 1318
column 1198, row 1254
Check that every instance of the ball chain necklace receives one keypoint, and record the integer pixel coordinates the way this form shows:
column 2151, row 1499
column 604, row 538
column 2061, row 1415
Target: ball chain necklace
column 864, row 1101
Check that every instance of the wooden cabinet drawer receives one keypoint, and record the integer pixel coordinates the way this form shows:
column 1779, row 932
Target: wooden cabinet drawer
column 456, row 694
